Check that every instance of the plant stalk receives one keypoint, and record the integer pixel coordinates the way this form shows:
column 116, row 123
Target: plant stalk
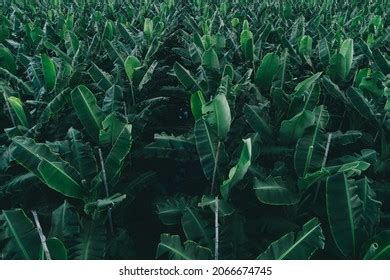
column 216, row 245
column 41, row 235
column 109, row 215
column 215, row 171
column 323, row 164
column 213, row 187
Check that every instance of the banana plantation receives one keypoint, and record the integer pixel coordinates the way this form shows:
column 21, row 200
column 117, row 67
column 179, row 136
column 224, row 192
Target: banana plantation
column 194, row 129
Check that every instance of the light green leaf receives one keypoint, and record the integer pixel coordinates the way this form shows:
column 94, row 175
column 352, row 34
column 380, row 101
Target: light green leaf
column 49, row 71
column 131, row 65
column 17, row 106
column 267, row 70
column 346, row 50
column 217, row 114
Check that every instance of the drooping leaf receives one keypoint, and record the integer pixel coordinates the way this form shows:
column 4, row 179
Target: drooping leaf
column 344, row 213
column 90, row 243
column 61, row 177
column 172, row 245
column 87, row 110
column 185, row 77
column 217, row 115
column 83, row 158
column 196, row 227
column 111, row 128
column 296, row 246
column 117, row 155
column 171, row 210
column 206, row 145
column 113, row 100
column 295, row 127
column 274, row 191
column 238, row 171
column 19, row 238
column 257, row 122
column 65, row 221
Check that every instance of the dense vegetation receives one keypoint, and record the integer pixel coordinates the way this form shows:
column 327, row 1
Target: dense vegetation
column 131, row 129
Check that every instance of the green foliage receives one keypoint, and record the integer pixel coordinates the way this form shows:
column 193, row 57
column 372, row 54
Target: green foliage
column 124, row 124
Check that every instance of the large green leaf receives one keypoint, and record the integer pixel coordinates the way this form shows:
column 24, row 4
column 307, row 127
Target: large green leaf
column 379, row 247
column 61, row 177
column 90, row 243
column 7, row 60
column 82, row 158
column 56, row 248
column 361, row 104
column 49, row 71
column 296, row 246
column 179, row 148
column 346, row 50
column 268, row 68
column 185, row 77
column 254, row 118
column 65, row 221
column 29, row 154
column 206, row 145
column 295, row 127
column 218, row 116
column 17, row 107
column 310, row 149
column 337, row 68
column 224, row 208
column 307, row 83
column 274, row 191
column 371, row 206
column 131, row 65
column 87, row 110
column 112, row 126
column 171, row 210
column 195, row 227
column 306, row 46
column 344, row 213
column 117, row 155
column 19, row 238
column 113, row 100
column 238, row 171
column 210, row 59
column 246, row 42
column 171, row 244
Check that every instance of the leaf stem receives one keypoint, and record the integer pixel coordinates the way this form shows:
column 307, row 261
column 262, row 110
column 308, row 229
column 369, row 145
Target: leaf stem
column 215, row 171
column 216, row 245
column 41, row 235
column 109, row 216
